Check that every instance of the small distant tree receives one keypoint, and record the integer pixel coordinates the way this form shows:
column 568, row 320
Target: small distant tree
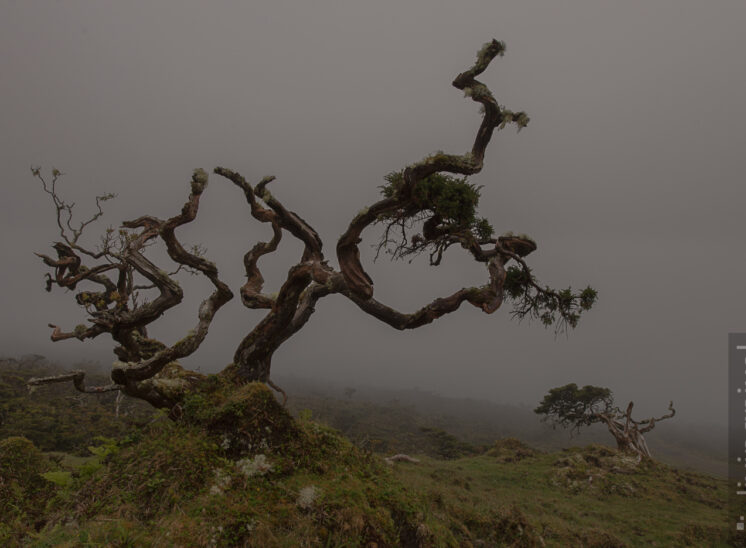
column 572, row 407
column 429, row 206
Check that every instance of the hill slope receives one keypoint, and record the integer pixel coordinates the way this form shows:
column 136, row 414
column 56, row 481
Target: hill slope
column 238, row 470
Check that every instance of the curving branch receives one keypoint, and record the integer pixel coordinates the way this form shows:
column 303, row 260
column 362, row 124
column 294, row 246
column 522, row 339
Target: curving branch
column 81, row 333
column 432, row 194
column 293, row 305
column 402, row 198
column 142, row 358
column 652, row 421
column 285, row 219
column 419, row 193
column 251, row 291
column 149, row 367
column 78, row 379
column 64, row 213
column 253, row 357
column 488, row 298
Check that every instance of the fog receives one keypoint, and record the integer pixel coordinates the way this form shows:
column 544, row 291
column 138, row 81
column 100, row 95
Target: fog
column 629, row 176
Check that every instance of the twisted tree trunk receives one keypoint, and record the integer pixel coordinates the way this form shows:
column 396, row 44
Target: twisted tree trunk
column 149, row 369
column 628, row 433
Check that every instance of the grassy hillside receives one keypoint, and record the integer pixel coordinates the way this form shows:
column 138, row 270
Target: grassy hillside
column 392, row 420
column 237, row 470
column 56, row 417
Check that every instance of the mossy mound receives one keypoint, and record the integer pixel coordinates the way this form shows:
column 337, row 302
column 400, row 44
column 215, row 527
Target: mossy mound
column 245, row 420
column 149, row 474
column 236, row 470
column 510, row 450
column 20, row 462
column 599, row 468
column 302, row 484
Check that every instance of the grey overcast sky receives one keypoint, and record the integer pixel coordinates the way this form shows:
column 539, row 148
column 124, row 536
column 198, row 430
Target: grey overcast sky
column 630, row 175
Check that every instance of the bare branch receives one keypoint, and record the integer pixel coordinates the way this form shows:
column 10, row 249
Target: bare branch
column 68, row 233
column 208, row 308
column 488, row 298
column 652, row 421
column 287, row 220
column 143, row 358
column 81, row 332
column 78, row 379
column 251, row 291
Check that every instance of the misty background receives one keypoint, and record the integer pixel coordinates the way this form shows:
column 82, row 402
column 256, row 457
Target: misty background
column 629, row 176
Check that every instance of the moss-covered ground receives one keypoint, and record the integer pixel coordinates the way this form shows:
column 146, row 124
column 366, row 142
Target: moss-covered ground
column 238, row 470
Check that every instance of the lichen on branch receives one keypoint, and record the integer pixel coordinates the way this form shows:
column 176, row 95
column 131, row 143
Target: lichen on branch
column 115, row 308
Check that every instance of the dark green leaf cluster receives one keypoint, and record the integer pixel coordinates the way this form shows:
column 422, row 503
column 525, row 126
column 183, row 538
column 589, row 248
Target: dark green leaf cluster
column 23, row 491
column 570, row 406
column 453, row 199
column 394, row 184
column 482, row 229
column 561, row 308
column 516, row 281
column 448, row 446
column 451, row 202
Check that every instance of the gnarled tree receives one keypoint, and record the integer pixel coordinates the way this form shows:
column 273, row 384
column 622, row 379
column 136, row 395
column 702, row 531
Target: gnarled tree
column 428, row 206
column 573, row 407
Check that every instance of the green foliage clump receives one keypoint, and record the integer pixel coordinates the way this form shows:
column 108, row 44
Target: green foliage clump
column 447, row 446
column 453, row 200
column 23, row 490
column 516, row 281
column 482, row 229
column 20, row 460
column 150, row 474
column 570, row 406
column 510, row 450
column 552, row 307
column 61, row 478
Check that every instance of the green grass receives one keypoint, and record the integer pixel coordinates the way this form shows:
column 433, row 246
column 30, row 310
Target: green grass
column 622, row 505
column 237, row 470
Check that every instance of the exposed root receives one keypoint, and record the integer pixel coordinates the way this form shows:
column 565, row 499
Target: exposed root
column 280, row 390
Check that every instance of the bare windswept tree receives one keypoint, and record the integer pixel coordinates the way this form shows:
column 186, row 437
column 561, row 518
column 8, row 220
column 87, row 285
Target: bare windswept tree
column 429, row 206
column 573, row 407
